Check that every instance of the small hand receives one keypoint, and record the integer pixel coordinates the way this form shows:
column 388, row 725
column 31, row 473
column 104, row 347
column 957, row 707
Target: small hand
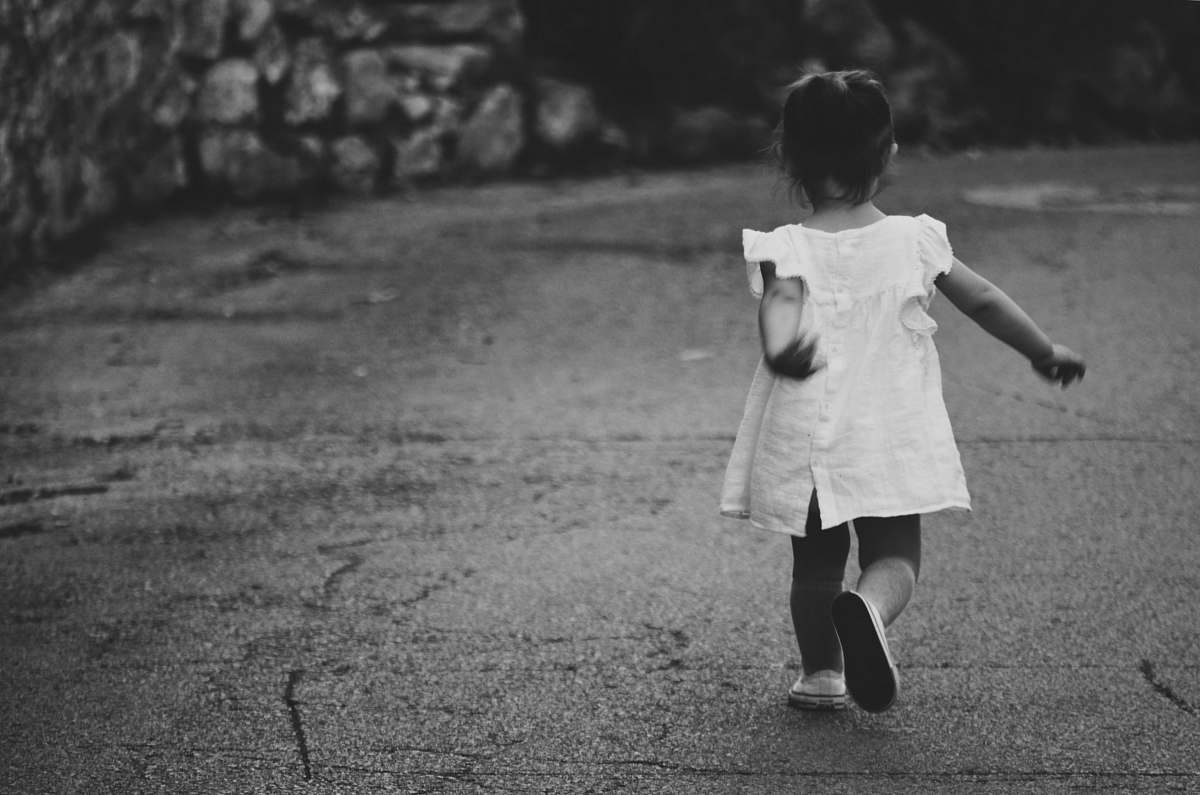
column 1062, row 366
column 797, row 359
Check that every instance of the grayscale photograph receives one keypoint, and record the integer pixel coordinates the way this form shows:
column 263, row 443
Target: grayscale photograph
column 599, row 396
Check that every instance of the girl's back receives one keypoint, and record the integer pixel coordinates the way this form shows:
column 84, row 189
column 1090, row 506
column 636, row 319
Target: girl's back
column 868, row 429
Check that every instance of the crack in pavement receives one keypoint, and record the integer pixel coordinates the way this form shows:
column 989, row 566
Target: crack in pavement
column 289, row 698
column 28, row 494
column 352, row 562
column 445, row 580
column 357, row 542
column 335, row 576
column 1165, row 690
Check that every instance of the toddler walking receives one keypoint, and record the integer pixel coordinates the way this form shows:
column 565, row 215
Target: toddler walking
column 845, row 422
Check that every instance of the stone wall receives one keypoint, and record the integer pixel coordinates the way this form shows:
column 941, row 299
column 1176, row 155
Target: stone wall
column 116, row 105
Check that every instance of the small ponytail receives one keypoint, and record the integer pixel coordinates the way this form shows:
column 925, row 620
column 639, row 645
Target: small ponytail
column 835, row 130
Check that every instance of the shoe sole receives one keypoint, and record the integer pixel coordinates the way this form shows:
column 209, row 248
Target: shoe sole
column 870, row 673
column 818, row 703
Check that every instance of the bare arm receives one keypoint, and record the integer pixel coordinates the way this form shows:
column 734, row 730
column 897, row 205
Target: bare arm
column 997, row 314
column 786, row 348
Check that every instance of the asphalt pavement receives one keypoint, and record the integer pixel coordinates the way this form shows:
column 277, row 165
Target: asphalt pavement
column 419, row 494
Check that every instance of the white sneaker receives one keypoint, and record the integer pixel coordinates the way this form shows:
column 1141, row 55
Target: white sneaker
column 819, row 690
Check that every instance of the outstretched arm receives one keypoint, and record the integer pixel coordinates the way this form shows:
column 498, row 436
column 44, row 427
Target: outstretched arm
column 999, row 315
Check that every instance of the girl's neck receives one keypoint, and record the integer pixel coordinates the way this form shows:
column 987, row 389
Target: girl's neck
column 834, row 215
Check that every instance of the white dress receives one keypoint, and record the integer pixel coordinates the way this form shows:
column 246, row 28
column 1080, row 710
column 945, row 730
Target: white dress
column 869, row 430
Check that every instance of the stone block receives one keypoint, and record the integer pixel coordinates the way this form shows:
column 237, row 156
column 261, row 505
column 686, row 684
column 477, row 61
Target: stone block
column 498, row 21
column 442, row 68
column 494, row 135
column 567, row 115
column 239, row 161
column 254, row 18
column 418, row 155
column 203, row 27
column 121, row 56
column 271, row 54
column 173, row 101
column 314, row 88
column 418, row 107
column 312, row 149
column 350, row 23
column 447, row 113
column 356, row 165
column 370, row 91
column 229, row 94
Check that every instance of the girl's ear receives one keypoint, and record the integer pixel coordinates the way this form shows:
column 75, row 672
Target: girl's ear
column 895, row 148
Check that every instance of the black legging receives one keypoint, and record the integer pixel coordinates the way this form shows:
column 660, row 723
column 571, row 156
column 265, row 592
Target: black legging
column 820, row 556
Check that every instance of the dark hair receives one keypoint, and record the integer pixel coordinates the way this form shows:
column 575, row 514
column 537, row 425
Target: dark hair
column 836, row 127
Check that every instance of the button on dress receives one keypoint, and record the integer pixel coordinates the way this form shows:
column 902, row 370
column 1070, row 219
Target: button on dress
column 869, row 430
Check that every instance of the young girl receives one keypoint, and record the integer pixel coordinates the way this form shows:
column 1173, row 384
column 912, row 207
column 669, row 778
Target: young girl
column 845, row 421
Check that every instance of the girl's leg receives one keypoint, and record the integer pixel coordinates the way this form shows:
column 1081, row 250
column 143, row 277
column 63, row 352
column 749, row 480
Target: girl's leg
column 818, row 568
column 889, row 554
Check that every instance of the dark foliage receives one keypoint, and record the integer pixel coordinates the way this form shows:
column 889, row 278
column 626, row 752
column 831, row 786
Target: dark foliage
column 1072, row 69
column 1059, row 70
column 643, row 54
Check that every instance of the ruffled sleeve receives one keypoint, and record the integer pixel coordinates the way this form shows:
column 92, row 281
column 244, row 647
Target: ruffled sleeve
column 933, row 250
column 934, row 257
column 759, row 247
